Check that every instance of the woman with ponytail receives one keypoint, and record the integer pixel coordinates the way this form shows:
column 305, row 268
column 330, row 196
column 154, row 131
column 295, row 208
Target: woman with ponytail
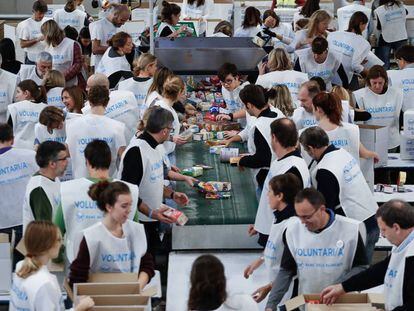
column 170, row 16
column 34, row 287
column 114, row 63
column 208, row 288
column 115, row 244
column 24, row 114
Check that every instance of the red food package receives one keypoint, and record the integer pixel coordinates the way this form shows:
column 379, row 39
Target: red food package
column 210, row 117
column 178, row 216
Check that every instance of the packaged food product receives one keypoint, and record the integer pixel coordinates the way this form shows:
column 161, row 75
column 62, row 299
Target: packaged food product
column 179, row 217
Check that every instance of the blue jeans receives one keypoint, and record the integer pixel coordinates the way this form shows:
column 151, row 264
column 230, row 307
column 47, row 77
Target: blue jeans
column 383, row 51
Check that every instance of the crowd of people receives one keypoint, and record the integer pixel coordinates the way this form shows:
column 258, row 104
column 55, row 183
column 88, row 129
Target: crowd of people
column 90, row 125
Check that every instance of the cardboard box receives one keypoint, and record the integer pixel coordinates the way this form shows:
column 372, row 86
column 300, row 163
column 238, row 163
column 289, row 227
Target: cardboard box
column 347, row 302
column 375, row 138
column 406, row 147
column 5, row 263
column 409, row 122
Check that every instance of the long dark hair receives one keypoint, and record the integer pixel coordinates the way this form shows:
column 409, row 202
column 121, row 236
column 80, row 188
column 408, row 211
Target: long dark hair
column 168, row 10
column 208, row 284
column 251, row 17
column 309, row 8
column 38, row 93
column 199, row 2
column 356, row 20
column 389, row 2
column 7, row 50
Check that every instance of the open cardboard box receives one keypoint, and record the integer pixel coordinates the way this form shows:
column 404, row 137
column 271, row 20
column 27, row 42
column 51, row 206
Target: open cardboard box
column 347, row 302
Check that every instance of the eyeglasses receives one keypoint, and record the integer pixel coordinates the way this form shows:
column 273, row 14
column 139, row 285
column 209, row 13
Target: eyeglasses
column 308, row 217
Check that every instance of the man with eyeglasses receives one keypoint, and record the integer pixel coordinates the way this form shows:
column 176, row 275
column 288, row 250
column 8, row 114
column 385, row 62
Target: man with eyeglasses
column 338, row 177
column 43, row 190
column 319, row 247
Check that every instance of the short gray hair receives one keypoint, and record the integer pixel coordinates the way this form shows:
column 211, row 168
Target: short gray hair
column 98, row 79
column 158, row 120
column 314, row 137
column 44, row 57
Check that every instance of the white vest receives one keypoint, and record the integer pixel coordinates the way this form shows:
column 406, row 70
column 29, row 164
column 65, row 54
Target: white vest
column 25, row 114
column 16, row 168
column 161, row 28
column 81, row 212
column 151, row 186
column 109, row 254
column 232, row 99
column 303, row 119
column 152, row 98
column 121, row 107
column 385, row 110
column 52, row 190
column 327, row 70
column 404, row 80
column 350, row 49
column 322, row 258
column 109, row 65
column 392, row 19
column 54, row 97
column 81, row 131
column 7, row 89
column 344, row 15
column 140, row 90
column 264, row 215
column 42, row 135
column 346, row 136
column 394, row 278
column 75, row 19
column 63, row 57
column 169, row 145
column 28, row 72
column 292, row 79
column 25, row 294
column 29, row 29
column 355, row 196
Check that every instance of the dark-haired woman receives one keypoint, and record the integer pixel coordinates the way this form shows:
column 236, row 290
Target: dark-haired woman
column 351, row 47
column 251, row 23
column 114, row 63
column 208, row 288
column 306, row 11
column 115, row 244
column 24, row 114
column 170, row 16
column 8, row 54
column 281, row 35
column 199, row 10
column 391, row 16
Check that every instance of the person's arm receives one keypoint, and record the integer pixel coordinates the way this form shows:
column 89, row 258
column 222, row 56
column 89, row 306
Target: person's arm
column 29, row 43
column 133, row 169
column 263, row 155
column 146, row 270
column 59, row 220
column 97, row 48
column 367, row 154
column 79, row 269
column 328, row 185
column 294, row 170
column 40, row 204
column 76, row 66
column 297, row 66
column 342, row 75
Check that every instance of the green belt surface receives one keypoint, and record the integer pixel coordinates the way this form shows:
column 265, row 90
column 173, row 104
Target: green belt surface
column 239, row 209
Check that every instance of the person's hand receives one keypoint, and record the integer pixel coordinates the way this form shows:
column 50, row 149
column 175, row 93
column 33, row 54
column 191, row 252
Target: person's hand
column 41, row 38
column 187, row 18
column 230, row 134
column 225, row 142
column 179, row 140
column 251, row 231
column 331, row 293
column 175, row 169
column 376, row 157
column 261, row 293
column 158, row 214
column 85, row 303
column 262, row 68
column 190, row 180
column 180, row 198
column 250, row 268
column 221, row 117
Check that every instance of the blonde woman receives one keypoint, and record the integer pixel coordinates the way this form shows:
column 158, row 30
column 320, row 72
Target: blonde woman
column 317, row 27
column 145, row 67
column 34, row 287
column 54, row 82
column 279, row 97
column 281, row 73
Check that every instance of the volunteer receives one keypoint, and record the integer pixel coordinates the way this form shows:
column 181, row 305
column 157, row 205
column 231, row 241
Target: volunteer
column 251, row 23
column 383, row 102
column 54, row 82
column 34, row 287
column 66, row 53
column 259, row 142
column 114, row 63
column 346, row 12
column 198, row 10
column 51, row 126
column 7, row 90
column 275, row 32
column 391, row 18
column 403, row 79
column 318, row 24
column 36, row 72
column 351, row 48
column 72, row 99
column 144, row 69
column 319, row 61
column 303, row 115
column 396, row 220
column 327, row 110
column 338, row 177
column 70, row 15
column 24, row 114
column 82, row 130
column 12, row 185
column 173, row 88
column 42, row 194
column 281, row 196
column 281, row 73
column 289, row 160
column 279, row 97
column 28, row 31
column 319, row 247
column 85, row 42
column 208, row 288
column 142, row 165
column 77, row 211
column 122, row 105
column 156, row 88
column 170, row 16
column 8, row 53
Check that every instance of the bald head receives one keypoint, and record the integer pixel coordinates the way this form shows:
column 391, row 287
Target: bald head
column 285, row 132
column 97, row 79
